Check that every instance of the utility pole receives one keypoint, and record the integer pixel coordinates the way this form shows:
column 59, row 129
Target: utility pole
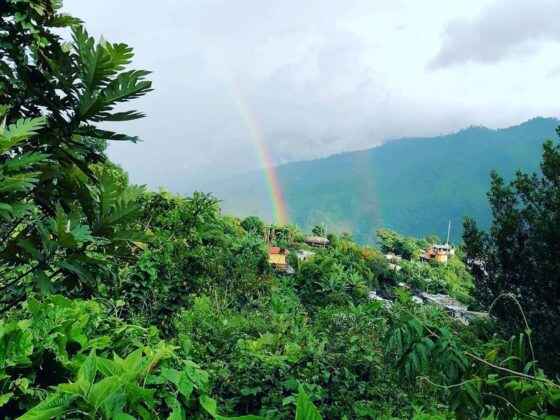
column 448, row 232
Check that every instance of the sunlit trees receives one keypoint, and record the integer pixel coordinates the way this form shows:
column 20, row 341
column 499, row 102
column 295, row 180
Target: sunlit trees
column 253, row 225
column 404, row 246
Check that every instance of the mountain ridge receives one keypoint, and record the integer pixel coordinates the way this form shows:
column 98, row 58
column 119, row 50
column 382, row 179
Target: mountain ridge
column 395, row 184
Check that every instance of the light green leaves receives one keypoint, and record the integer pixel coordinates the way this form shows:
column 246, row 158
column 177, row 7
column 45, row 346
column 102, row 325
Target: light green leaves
column 99, row 61
column 97, row 106
column 305, row 409
column 86, row 374
column 180, row 379
column 19, row 131
column 5, row 398
column 16, row 171
column 104, row 390
column 104, row 386
column 16, row 343
column 177, row 412
column 52, row 407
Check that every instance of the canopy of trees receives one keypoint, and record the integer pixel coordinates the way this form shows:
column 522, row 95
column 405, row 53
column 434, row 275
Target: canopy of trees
column 517, row 264
column 121, row 303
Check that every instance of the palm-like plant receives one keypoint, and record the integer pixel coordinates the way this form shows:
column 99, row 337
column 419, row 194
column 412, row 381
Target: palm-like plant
column 56, row 215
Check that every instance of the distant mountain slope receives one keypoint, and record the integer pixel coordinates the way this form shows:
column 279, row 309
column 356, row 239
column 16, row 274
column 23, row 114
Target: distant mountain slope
column 411, row 185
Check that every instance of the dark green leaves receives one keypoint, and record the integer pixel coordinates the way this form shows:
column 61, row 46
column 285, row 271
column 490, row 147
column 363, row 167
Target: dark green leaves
column 97, row 106
column 104, row 81
column 100, row 62
column 211, row 407
column 54, row 214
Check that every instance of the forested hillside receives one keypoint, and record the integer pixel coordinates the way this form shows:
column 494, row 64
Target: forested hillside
column 414, row 186
column 122, row 303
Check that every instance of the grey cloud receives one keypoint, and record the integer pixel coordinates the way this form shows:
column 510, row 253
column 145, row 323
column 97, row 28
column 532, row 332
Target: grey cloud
column 296, row 69
column 506, row 28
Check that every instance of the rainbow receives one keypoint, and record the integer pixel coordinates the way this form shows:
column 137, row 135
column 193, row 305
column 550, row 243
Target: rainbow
column 256, row 135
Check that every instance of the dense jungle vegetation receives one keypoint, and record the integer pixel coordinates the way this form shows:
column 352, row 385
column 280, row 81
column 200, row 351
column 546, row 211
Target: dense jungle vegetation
column 121, row 303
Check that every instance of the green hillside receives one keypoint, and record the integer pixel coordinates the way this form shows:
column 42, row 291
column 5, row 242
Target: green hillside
column 119, row 303
column 410, row 185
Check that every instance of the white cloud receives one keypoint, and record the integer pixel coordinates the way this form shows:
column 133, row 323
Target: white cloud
column 320, row 76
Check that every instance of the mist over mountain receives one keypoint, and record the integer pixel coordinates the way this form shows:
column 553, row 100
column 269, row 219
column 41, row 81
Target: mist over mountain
column 412, row 185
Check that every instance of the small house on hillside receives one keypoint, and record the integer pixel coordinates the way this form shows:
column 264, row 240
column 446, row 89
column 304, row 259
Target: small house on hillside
column 278, row 259
column 317, row 241
column 277, row 255
column 446, row 248
column 438, row 253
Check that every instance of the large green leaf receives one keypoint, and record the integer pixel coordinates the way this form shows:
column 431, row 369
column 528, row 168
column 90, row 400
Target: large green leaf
column 18, row 183
column 21, row 130
column 180, row 379
column 87, row 373
column 177, row 412
column 100, row 61
column 305, row 409
column 123, row 416
column 4, row 398
column 52, row 407
column 24, row 161
column 125, row 87
column 108, row 367
column 103, row 390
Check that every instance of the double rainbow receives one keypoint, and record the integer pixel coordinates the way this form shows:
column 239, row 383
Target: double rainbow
column 257, row 137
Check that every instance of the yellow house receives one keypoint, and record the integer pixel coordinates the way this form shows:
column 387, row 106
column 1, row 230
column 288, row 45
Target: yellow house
column 438, row 253
column 441, row 257
column 277, row 256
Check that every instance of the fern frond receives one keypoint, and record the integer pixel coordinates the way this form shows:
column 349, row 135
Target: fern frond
column 103, row 61
column 18, row 183
column 23, row 161
column 126, row 86
column 20, row 130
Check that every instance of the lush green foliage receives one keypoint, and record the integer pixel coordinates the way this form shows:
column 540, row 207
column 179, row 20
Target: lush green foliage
column 490, row 378
column 119, row 303
column 192, row 250
column 68, row 353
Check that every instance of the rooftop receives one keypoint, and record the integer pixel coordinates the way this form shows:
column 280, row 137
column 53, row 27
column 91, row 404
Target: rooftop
column 277, row 250
column 319, row 240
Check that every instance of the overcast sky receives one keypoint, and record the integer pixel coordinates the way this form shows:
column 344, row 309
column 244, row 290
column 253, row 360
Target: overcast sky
column 322, row 76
